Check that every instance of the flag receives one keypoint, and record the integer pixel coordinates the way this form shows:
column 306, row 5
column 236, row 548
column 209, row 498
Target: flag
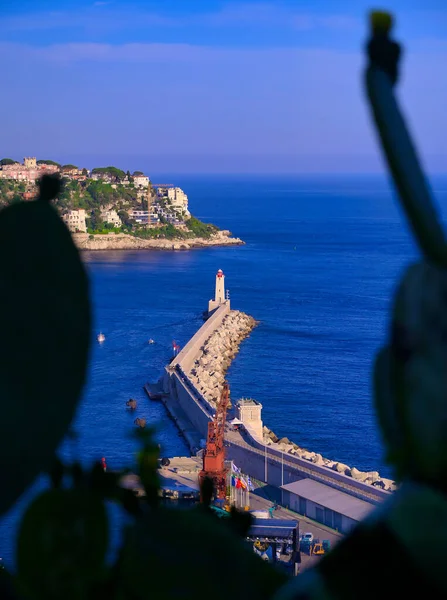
column 235, row 469
column 238, row 484
column 233, row 480
column 249, row 483
column 243, row 483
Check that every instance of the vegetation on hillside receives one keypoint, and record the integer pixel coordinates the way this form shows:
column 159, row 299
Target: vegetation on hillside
column 115, row 173
column 7, row 161
column 48, row 162
column 92, row 196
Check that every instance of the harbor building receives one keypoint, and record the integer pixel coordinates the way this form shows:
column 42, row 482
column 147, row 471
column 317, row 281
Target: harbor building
column 325, row 504
column 248, row 411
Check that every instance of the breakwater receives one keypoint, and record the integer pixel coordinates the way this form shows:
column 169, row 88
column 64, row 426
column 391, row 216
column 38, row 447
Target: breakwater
column 191, row 385
column 284, row 445
column 208, row 370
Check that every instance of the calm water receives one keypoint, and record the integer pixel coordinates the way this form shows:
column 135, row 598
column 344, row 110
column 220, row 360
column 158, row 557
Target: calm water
column 318, row 271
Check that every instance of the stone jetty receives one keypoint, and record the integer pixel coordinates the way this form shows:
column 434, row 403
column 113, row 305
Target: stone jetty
column 208, row 375
column 368, row 477
column 211, row 365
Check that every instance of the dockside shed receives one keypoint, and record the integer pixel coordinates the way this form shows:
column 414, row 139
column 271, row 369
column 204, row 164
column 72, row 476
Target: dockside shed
column 325, row 504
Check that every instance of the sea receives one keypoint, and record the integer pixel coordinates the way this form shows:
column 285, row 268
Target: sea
column 322, row 258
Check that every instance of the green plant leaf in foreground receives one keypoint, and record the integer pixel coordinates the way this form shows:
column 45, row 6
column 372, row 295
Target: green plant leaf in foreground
column 190, row 554
column 62, row 543
column 45, row 324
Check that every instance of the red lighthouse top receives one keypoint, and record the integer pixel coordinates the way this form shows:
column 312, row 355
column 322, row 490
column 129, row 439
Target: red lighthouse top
column 220, row 273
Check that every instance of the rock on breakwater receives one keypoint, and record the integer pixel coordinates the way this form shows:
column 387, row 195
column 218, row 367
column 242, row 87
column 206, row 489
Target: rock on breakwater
column 288, row 447
column 121, row 241
column 208, row 372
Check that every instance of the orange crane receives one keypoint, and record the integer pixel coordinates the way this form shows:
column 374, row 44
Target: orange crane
column 214, row 455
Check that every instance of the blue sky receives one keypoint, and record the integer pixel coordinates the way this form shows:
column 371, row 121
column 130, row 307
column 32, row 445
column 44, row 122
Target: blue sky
column 212, row 86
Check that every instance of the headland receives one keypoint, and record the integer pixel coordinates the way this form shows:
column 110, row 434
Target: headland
column 106, row 208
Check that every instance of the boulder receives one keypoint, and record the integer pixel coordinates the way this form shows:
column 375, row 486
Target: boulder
column 284, row 440
column 273, row 437
column 372, row 476
column 356, row 474
column 341, row 468
column 318, row 460
column 308, row 455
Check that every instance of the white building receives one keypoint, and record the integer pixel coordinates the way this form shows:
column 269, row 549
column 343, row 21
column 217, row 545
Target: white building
column 249, row 412
column 111, row 216
column 105, row 177
column 178, row 199
column 75, row 221
column 141, row 181
column 139, row 216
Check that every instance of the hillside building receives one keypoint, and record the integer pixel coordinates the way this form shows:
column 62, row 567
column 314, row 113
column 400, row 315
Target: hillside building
column 75, row 221
column 140, row 181
column 111, row 216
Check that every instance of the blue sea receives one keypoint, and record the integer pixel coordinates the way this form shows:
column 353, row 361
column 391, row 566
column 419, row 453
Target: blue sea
column 321, row 261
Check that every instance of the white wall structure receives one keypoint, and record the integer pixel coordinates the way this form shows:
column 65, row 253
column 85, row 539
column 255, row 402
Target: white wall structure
column 75, row 220
column 178, row 199
column 111, row 216
column 141, row 181
column 248, row 411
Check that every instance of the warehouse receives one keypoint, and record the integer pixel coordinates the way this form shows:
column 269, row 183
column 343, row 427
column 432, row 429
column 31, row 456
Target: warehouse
column 324, row 504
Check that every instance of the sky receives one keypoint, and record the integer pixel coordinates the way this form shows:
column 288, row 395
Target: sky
column 213, row 86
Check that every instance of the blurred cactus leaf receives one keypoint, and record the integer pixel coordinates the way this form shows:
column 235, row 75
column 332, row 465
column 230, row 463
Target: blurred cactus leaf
column 45, row 324
column 184, row 554
column 62, row 543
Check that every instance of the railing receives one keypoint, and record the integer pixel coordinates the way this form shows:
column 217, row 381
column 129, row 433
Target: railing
column 354, row 491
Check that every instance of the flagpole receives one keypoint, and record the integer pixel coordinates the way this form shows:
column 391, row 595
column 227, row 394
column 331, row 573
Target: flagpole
column 265, row 464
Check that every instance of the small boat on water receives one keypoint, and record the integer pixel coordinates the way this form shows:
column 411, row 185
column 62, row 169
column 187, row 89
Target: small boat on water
column 101, row 338
column 151, row 341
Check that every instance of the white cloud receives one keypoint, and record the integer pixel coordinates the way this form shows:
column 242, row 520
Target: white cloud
column 241, row 15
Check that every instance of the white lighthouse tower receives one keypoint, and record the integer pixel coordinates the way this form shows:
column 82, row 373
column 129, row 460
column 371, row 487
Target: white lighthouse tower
column 219, row 296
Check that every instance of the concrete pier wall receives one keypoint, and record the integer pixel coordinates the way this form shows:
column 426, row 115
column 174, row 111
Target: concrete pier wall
column 189, row 353
column 197, row 413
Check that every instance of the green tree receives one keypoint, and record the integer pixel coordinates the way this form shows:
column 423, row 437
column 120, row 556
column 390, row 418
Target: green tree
column 124, row 216
column 96, row 222
column 69, row 167
column 200, row 229
column 117, row 174
column 84, row 171
column 48, row 162
column 8, row 161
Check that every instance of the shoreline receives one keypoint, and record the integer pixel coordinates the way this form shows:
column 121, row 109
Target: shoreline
column 122, row 241
column 208, row 375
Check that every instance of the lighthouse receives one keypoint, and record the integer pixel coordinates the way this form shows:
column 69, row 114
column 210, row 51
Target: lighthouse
column 219, row 295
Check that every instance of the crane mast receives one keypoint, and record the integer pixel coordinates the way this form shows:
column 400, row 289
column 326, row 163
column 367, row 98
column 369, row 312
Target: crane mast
column 214, row 455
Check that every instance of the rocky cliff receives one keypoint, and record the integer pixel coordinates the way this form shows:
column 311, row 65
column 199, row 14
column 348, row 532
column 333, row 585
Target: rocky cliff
column 121, row 241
